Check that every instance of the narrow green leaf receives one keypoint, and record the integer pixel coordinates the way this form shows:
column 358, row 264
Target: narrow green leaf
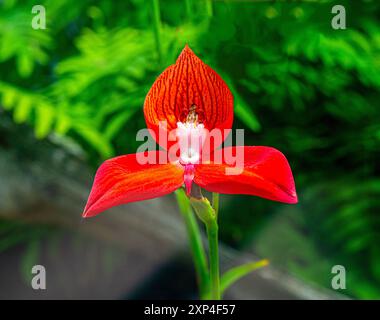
column 234, row 274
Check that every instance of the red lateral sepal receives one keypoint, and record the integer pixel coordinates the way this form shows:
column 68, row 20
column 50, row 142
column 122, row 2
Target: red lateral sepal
column 123, row 179
column 265, row 173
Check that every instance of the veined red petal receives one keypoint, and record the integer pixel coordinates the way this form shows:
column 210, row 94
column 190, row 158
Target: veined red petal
column 265, row 173
column 187, row 85
column 123, row 179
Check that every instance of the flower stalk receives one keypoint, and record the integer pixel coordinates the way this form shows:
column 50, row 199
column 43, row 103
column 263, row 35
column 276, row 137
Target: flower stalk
column 212, row 235
column 196, row 245
column 207, row 214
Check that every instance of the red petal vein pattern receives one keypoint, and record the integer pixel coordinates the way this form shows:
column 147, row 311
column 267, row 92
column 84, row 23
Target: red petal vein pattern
column 122, row 179
column 266, row 173
column 186, row 83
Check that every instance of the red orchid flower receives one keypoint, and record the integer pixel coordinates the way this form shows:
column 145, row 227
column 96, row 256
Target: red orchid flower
column 190, row 97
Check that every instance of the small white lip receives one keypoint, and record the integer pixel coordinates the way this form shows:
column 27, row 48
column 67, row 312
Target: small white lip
column 190, row 138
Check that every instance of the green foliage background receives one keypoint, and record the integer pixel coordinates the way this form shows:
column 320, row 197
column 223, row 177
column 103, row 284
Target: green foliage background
column 299, row 85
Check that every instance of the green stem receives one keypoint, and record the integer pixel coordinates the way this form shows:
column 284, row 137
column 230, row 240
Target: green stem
column 215, row 203
column 212, row 235
column 196, row 245
column 209, row 9
column 157, row 27
column 207, row 214
column 189, row 11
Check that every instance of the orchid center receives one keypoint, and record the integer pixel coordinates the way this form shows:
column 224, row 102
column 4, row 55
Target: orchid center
column 191, row 136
